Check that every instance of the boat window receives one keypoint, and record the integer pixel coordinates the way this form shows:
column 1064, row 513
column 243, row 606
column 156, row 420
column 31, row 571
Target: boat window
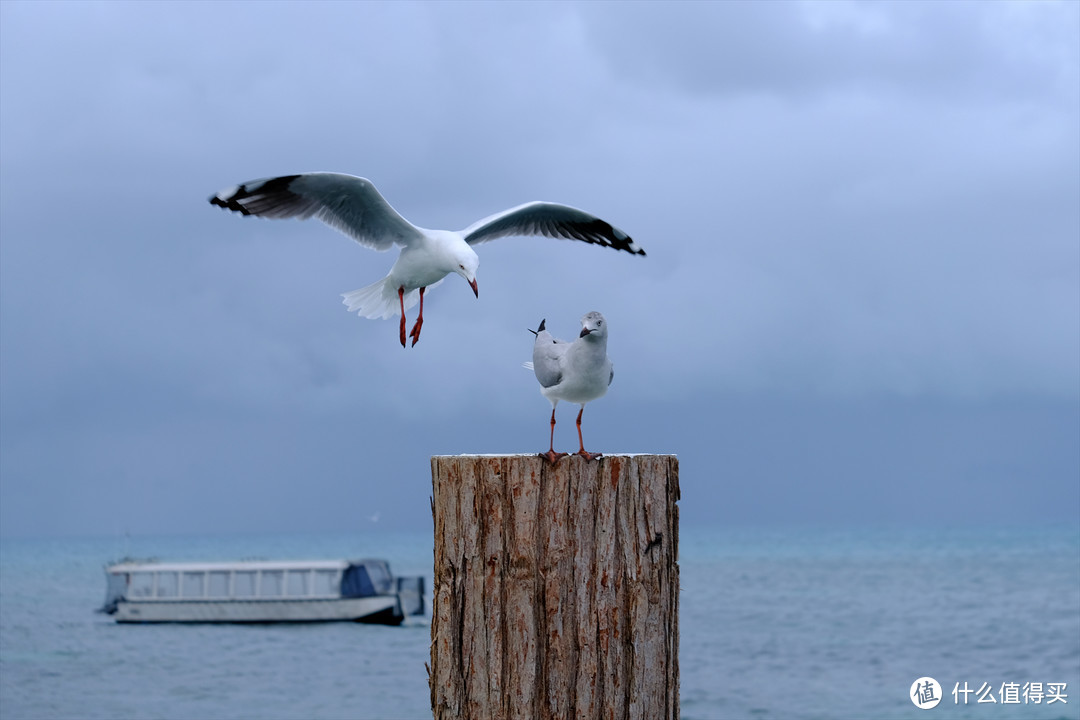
column 167, row 584
column 380, row 576
column 218, row 584
column 244, row 584
column 326, row 582
column 272, row 583
column 142, row 585
column 193, row 584
column 357, row 583
column 298, row 582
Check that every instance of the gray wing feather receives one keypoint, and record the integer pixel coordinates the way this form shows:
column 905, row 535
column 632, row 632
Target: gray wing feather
column 346, row 203
column 550, row 220
column 547, row 358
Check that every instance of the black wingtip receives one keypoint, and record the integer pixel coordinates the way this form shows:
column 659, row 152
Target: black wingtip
column 627, row 243
column 230, row 202
column 250, row 189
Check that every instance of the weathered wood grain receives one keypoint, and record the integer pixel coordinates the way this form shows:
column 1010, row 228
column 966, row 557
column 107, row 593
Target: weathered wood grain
column 556, row 588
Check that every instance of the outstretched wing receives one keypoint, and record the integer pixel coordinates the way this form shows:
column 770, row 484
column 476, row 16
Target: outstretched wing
column 550, row 220
column 346, row 203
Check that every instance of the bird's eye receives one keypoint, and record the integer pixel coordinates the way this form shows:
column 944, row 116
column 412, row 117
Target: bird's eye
column 461, row 266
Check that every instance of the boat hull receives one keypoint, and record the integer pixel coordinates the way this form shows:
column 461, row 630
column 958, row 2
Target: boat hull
column 384, row 610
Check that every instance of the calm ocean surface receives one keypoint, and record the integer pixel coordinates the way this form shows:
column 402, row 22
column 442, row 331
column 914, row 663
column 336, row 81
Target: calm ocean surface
column 778, row 623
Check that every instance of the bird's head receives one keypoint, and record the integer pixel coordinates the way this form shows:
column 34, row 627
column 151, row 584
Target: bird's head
column 594, row 326
column 465, row 263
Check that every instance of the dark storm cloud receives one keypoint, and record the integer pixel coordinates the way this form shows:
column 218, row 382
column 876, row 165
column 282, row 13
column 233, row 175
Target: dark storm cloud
column 860, row 217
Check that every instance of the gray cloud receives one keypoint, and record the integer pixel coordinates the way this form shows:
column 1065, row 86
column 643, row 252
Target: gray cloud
column 804, row 51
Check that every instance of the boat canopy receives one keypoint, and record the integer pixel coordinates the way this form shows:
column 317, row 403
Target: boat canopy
column 151, row 566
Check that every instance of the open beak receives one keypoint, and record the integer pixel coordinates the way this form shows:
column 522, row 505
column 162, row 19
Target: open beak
column 584, row 331
column 475, row 289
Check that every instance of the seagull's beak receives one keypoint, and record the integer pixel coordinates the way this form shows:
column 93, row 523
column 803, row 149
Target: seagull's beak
column 584, row 331
column 475, row 289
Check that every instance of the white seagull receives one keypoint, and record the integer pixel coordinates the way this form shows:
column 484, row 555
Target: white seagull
column 577, row 372
column 353, row 206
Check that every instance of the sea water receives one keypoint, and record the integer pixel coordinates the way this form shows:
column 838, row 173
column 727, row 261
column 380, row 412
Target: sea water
column 775, row 623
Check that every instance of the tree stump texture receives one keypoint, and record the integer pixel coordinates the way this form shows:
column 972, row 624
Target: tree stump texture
column 556, row 587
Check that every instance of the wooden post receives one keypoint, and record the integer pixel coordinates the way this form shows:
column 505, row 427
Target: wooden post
column 556, row 588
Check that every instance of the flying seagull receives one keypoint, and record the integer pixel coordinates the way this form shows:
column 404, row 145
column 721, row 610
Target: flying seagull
column 576, row 372
column 353, row 206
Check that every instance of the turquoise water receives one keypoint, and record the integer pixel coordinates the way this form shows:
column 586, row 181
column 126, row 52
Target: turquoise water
column 775, row 623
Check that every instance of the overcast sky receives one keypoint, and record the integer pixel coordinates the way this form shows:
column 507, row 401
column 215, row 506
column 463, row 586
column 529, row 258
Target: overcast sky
column 860, row 305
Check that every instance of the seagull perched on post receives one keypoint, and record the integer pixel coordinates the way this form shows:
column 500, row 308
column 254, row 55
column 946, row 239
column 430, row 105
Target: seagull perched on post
column 353, row 206
column 577, row 372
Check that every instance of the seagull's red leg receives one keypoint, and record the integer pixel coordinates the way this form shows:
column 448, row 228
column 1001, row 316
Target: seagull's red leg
column 581, row 443
column 551, row 445
column 415, row 332
column 401, row 299
column 551, row 455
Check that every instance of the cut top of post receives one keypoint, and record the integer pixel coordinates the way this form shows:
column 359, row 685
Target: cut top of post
column 519, row 455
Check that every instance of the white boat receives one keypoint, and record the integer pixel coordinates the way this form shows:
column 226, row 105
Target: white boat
column 260, row 592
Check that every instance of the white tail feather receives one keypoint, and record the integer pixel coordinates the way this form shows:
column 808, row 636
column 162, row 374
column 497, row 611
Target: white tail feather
column 378, row 300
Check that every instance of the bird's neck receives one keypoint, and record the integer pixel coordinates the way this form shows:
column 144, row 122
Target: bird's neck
column 594, row 345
